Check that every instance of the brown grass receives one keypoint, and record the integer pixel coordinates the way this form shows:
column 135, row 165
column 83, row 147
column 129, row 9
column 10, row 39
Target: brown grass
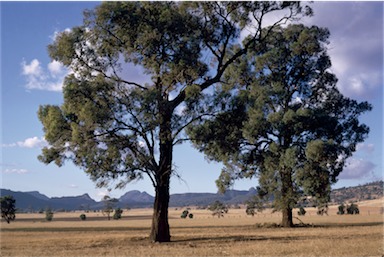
column 234, row 235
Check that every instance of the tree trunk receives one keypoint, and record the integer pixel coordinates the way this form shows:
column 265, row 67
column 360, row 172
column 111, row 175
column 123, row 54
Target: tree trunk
column 160, row 226
column 287, row 217
column 287, row 198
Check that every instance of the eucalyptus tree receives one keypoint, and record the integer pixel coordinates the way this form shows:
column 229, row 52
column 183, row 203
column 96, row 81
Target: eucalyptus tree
column 286, row 123
column 119, row 130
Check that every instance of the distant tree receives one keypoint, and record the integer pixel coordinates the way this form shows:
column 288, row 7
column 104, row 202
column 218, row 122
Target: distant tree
column 353, row 209
column 8, row 208
column 117, row 214
column 119, row 129
column 83, row 216
column 48, row 214
column 250, row 209
column 282, row 119
column 218, row 208
column 184, row 214
column 341, row 209
column 109, row 205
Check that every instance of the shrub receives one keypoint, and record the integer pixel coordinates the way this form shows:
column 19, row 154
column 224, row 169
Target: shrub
column 341, row 209
column 83, row 216
column 48, row 215
column 190, row 216
column 353, row 209
column 184, row 214
column 117, row 214
column 218, row 208
column 250, row 211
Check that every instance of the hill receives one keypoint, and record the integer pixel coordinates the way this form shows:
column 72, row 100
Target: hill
column 369, row 191
column 35, row 201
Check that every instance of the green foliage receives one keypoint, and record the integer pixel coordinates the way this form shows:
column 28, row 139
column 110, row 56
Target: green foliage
column 341, row 209
column 118, row 129
column 353, row 209
column 184, row 214
column 48, row 214
column 117, row 214
column 83, row 216
column 109, row 204
column 349, row 209
column 250, row 210
column 218, row 208
column 286, row 122
column 8, row 208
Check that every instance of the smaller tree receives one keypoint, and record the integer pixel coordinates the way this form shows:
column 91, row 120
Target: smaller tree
column 109, row 204
column 353, row 209
column 48, row 214
column 117, row 214
column 184, row 214
column 341, row 209
column 83, row 216
column 255, row 203
column 218, row 208
column 8, row 208
column 250, row 210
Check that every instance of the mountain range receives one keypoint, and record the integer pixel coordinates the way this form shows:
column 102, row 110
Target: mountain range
column 35, row 201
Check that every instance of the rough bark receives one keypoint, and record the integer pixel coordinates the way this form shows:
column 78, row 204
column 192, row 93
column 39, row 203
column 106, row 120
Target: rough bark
column 287, row 217
column 160, row 227
column 287, row 194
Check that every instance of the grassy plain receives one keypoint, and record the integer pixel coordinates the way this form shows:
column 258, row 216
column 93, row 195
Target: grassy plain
column 234, row 235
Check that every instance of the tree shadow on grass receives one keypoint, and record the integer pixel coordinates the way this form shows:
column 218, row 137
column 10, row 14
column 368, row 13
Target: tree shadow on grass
column 280, row 238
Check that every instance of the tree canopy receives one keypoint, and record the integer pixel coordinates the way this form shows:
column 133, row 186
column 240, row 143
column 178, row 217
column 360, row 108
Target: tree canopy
column 118, row 129
column 286, row 122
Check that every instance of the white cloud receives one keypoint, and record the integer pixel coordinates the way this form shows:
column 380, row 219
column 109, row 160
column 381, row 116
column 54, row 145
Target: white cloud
column 101, row 194
column 55, row 67
column 367, row 148
column 38, row 78
column 357, row 169
column 356, row 45
column 32, row 142
column 16, row 171
column 32, row 69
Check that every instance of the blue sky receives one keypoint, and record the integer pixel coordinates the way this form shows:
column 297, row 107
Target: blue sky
column 29, row 79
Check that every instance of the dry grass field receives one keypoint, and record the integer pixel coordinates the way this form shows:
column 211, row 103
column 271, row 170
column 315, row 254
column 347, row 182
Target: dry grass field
column 234, row 235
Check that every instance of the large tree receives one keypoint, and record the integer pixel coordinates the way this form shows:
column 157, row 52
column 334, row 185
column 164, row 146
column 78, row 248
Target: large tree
column 286, row 122
column 118, row 129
